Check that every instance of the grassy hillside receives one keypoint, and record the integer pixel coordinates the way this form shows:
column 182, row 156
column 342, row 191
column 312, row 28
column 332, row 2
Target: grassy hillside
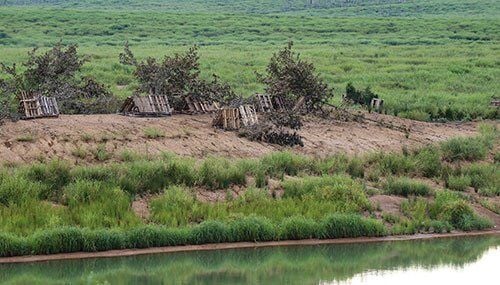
column 398, row 8
column 436, row 64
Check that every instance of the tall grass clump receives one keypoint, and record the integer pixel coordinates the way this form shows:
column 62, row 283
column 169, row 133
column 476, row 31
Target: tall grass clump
column 278, row 164
column 155, row 236
column 59, row 240
column 252, row 228
column 174, row 208
column 428, row 162
column 340, row 190
column 404, row 186
column 299, row 227
column 54, row 176
column 458, row 182
column 15, row 189
column 392, row 163
column 219, row 173
column 451, row 207
column 210, row 232
column 12, row 245
column 356, row 168
column 350, row 225
column 464, row 149
column 142, row 176
column 482, row 175
column 95, row 204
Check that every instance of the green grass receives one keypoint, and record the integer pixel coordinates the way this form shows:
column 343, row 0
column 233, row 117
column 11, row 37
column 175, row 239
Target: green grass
column 57, row 207
column 153, row 133
column 407, row 187
column 424, row 68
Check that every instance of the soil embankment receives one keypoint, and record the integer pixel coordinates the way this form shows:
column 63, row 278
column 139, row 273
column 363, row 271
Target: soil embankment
column 76, row 137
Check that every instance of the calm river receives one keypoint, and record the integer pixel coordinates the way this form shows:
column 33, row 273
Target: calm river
column 446, row 261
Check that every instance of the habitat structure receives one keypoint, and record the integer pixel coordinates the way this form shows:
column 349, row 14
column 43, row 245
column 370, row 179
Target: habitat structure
column 149, row 105
column 33, row 105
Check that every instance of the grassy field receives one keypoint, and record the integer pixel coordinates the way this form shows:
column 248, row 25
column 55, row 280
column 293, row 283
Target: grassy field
column 57, row 207
column 427, row 59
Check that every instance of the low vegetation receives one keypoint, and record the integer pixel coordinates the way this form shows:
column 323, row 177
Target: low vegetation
column 57, row 207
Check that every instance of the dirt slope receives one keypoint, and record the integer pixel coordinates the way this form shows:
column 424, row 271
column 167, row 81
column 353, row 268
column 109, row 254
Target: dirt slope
column 64, row 137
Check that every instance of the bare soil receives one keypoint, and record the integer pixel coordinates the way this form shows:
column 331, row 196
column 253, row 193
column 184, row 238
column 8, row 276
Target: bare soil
column 77, row 137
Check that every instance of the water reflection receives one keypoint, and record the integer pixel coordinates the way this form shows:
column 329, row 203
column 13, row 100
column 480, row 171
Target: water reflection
column 390, row 263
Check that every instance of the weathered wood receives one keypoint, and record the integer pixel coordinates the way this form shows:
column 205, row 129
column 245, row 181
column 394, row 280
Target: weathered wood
column 195, row 106
column 33, row 106
column 234, row 118
column 265, row 103
column 376, row 104
column 495, row 102
column 149, row 105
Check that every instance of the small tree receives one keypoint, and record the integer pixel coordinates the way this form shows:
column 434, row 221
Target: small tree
column 362, row 97
column 177, row 76
column 55, row 73
column 290, row 78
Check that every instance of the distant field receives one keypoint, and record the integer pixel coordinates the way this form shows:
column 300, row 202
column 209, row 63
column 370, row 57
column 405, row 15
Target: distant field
column 436, row 64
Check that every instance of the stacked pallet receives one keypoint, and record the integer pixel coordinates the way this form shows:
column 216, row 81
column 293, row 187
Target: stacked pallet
column 235, row 118
column 264, row 102
column 33, row 106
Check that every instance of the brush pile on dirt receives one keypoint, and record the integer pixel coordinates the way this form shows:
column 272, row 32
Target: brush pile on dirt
column 276, row 128
column 54, row 74
column 296, row 89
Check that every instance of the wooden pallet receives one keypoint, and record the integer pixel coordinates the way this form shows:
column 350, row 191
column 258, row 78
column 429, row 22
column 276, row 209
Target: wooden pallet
column 376, row 104
column 149, row 105
column 199, row 107
column 33, row 106
column 264, row 102
column 495, row 102
column 248, row 115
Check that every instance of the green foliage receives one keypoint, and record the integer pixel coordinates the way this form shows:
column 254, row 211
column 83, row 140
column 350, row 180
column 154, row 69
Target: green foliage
column 362, row 97
column 407, row 187
column 174, row 208
column 53, row 176
column 356, row 168
column 342, row 225
column 428, row 162
column 298, row 227
column 392, row 163
column 153, row 133
column 483, row 176
column 210, row 232
column 278, row 164
column 458, row 183
column 464, row 148
column 252, row 228
column 217, row 173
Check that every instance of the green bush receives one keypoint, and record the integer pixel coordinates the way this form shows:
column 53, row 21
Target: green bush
column 458, row 183
column 298, row 227
column 407, row 187
column 15, row 189
column 464, row 148
column 483, row 175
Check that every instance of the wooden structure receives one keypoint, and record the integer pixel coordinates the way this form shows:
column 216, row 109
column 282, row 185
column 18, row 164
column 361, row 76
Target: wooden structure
column 264, row 102
column 234, row 118
column 495, row 102
column 198, row 107
column 149, row 105
column 377, row 104
column 33, row 106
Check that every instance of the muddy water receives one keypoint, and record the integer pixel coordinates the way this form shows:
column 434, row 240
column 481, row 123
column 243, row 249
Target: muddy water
column 449, row 261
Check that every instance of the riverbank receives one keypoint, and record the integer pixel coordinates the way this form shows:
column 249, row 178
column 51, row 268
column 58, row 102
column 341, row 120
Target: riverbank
column 236, row 245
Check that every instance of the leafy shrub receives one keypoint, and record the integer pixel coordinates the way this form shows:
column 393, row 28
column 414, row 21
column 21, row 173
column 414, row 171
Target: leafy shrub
column 458, row 183
column 464, row 148
column 298, row 227
column 405, row 187
column 362, row 97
